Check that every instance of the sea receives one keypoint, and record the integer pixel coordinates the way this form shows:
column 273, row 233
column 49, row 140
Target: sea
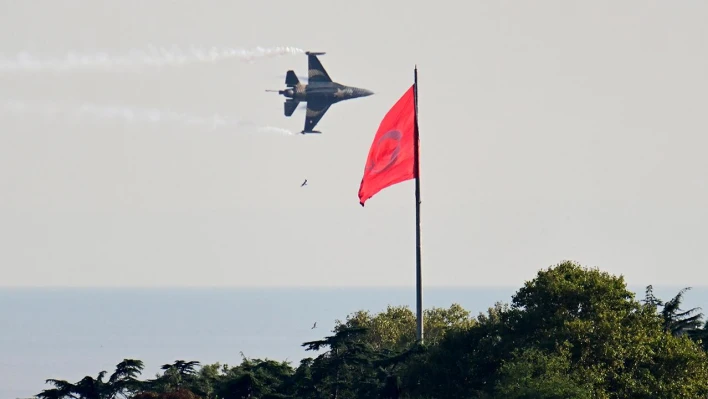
column 69, row 333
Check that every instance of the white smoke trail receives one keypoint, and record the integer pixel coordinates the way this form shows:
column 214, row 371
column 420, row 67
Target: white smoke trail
column 275, row 130
column 153, row 57
column 137, row 115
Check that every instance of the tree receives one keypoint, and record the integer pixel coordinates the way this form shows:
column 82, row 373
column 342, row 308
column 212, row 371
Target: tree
column 395, row 328
column 180, row 375
column 176, row 394
column 256, row 378
column 678, row 321
column 536, row 374
column 123, row 382
column 346, row 363
column 614, row 342
column 464, row 363
column 582, row 326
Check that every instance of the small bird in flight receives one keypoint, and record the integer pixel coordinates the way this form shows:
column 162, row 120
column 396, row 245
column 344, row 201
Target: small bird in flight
column 314, row 326
column 303, row 183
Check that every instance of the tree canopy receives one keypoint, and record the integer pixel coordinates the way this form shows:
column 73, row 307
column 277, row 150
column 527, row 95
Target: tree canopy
column 570, row 332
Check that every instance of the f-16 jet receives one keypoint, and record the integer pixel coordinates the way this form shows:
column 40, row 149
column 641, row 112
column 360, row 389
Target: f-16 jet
column 319, row 93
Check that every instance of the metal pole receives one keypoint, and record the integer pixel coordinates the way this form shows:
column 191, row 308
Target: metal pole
column 418, row 269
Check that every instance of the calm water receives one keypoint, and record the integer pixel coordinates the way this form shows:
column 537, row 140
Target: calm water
column 71, row 333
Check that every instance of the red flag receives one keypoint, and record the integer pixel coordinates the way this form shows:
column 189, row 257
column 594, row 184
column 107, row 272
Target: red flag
column 391, row 158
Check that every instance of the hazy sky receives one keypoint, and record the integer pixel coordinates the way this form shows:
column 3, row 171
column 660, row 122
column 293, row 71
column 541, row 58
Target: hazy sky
column 550, row 130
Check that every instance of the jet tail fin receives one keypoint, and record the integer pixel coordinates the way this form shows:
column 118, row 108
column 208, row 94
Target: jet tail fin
column 289, row 106
column 291, row 79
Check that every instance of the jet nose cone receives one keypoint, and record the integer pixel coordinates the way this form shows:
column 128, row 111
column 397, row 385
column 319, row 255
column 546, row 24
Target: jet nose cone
column 364, row 92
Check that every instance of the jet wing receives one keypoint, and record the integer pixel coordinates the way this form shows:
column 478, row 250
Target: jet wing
column 315, row 70
column 315, row 112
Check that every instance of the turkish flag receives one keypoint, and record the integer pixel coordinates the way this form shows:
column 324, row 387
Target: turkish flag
column 391, row 158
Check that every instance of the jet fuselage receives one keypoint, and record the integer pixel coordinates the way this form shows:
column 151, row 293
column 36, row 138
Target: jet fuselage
column 329, row 92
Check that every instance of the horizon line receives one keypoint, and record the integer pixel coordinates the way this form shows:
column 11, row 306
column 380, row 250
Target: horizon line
column 333, row 287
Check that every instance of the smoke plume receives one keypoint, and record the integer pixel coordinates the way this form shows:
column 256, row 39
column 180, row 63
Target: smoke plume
column 127, row 114
column 154, row 57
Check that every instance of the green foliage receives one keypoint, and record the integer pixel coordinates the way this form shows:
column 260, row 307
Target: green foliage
column 256, row 378
column 122, row 383
column 571, row 332
column 395, row 328
column 532, row 374
column 593, row 313
column 674, row 319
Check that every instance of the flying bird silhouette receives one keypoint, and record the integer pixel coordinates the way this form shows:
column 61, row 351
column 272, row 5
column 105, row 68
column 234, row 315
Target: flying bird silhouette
column 303, row 183
column 314, row 326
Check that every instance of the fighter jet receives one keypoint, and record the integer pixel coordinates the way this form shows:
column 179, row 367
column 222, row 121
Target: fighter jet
column 319, row 93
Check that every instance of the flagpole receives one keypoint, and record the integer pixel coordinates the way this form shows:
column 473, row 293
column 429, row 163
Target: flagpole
column 418, row 269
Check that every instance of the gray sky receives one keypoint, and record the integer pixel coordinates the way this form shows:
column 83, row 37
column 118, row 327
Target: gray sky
column 550, row 130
